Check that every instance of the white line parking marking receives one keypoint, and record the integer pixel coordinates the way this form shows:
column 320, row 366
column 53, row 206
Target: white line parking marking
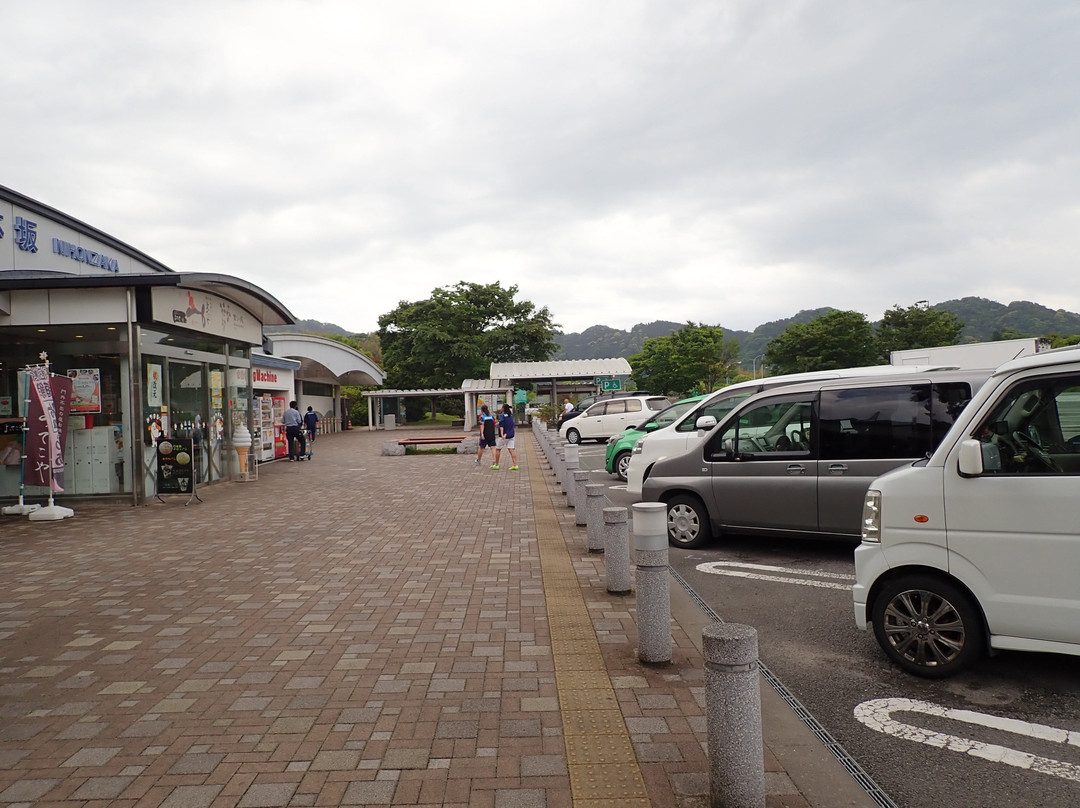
column 759, row 572
column 877, row 715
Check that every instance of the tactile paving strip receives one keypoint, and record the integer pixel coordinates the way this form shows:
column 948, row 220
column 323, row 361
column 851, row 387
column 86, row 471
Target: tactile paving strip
column 599, row 753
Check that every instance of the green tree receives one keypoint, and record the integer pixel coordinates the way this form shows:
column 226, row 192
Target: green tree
column 458, row 332
column 694, row 357
column 839, row 339
column 918, row 327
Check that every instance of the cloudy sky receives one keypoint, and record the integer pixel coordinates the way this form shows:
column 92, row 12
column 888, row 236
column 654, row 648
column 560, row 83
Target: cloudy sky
column 621, row 161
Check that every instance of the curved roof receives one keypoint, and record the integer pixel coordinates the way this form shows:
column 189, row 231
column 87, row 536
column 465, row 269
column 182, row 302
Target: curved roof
column 327, row 360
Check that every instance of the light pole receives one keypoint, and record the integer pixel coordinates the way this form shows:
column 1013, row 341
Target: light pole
column 756, row 358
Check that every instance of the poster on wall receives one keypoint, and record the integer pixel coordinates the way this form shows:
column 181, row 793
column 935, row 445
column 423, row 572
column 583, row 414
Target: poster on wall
column 174, row 466
column 6, row 405
column 85, row 390
column 153, row 385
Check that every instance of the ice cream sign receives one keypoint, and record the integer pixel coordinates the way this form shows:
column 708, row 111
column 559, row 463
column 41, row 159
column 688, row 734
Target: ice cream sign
column 204, row 312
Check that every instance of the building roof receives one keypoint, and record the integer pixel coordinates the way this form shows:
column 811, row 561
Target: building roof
column 467, row 386
column 562, row 369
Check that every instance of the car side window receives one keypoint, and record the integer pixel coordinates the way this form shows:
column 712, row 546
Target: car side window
column 633, row 405
column 594, row 410
column 1035, row 429
column 868, row 423
column 768, row 430
column 615, row 407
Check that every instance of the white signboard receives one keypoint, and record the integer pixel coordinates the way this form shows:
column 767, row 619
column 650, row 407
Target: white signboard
column 206, row 313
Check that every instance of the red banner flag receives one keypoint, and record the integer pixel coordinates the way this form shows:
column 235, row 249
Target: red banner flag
column 50, row 400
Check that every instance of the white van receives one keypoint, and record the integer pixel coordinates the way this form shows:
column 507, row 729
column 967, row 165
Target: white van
column 978, row 546
column 677, row 437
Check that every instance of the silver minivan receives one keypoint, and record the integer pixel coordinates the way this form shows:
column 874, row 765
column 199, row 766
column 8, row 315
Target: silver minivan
column 797, row 460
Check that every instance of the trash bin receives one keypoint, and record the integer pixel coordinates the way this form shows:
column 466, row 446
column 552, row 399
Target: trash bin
column 390, row 421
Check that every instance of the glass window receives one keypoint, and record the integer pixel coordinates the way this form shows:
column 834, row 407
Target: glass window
column 866, row 423
column 770, row 427
column 717, row 409
column 633, row 405
column 1035, row 429
column 615, row 407
column 655, row 403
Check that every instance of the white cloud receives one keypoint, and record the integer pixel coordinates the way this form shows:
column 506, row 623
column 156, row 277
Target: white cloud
column 620, row 162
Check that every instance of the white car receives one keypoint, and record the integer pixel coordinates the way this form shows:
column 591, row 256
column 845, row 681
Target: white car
column 610, row 417
column 977, row 548
column 676, row 438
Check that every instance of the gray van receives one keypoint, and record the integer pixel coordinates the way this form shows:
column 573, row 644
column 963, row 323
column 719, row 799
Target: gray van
column 797, row 460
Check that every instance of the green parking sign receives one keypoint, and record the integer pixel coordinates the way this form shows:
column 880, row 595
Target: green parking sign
column 610, row 385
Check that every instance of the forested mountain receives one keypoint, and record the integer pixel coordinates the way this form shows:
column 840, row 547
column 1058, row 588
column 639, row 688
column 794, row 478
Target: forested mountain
column 309, row 327
column 984, row 320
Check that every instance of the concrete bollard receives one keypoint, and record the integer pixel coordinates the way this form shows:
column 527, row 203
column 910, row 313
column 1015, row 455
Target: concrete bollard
column 594, row 517
column 570, row 465
column 733, row 716
column 617, row 551
column 653, row 596
column 581, row 479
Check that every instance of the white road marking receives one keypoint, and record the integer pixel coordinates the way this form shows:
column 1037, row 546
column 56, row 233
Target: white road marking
column 760, row 572
column 877, row 715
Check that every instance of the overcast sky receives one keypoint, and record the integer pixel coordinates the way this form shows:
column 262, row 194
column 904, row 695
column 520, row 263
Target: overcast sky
column 728, row 162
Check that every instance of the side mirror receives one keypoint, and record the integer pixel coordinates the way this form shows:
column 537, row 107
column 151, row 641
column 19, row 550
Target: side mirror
column 705, row 422
column 729, row 447
column 971, row 458
column 651, row 426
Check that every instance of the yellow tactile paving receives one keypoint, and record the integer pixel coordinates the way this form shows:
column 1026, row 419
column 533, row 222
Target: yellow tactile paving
column 599, row 753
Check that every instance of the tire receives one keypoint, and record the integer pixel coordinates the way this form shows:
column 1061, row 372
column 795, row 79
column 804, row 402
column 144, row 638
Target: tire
column 688, row 522
column 622, row 462
column 927, row 626
column 573, row 436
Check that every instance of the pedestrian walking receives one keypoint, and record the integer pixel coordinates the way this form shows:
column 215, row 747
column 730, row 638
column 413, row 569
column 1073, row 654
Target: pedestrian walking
column 487, row 433
column 294, row 431
column 311, row 420
column 505, row 437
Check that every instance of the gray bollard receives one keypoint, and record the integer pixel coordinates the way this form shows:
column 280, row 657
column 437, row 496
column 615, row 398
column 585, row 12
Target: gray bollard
column 581, row 478
column 733, row 716
column 653, row 597
column 570, row 465
column 594, row 516
column 617, row 551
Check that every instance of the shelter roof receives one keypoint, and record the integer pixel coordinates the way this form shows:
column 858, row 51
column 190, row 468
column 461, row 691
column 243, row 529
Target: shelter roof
column 560, row 369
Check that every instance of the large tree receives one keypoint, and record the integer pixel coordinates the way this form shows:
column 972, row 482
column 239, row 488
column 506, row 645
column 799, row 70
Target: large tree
column 696, row 357
column 839, row 339
column 458, row 332
column 918, row 326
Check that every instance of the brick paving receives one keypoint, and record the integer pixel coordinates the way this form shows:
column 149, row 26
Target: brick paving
column 350, row 630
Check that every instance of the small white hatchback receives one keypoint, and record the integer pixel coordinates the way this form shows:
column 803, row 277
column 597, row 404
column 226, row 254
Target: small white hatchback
column 606, row 418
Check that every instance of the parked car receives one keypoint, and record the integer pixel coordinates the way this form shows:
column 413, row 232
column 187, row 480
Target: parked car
column 797, row 460
column 588, row 401
column 692, row 426
column 978, row 547
column 606, row 418
column 620, row 446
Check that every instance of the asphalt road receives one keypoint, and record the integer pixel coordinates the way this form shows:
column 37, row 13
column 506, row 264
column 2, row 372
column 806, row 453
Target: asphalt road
column 1008, row 746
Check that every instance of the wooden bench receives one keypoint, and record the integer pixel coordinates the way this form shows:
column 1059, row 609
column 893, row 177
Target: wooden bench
column 431, row 441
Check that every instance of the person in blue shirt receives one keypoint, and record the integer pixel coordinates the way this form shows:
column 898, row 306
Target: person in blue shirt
column 505, row 438
column 311, row 420
column 487, row 434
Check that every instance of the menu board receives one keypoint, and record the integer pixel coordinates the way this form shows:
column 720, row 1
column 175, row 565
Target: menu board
column 175, row 465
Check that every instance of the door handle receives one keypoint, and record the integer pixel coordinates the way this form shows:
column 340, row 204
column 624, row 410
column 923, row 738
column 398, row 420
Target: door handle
column 837, row 468
column 795, row 469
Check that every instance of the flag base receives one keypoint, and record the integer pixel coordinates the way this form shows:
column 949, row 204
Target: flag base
column 52, row 513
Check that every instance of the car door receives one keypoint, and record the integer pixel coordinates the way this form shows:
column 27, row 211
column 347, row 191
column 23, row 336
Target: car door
column 759, row 480
column 633, row 413
column 590, row 424
column 1015, row 529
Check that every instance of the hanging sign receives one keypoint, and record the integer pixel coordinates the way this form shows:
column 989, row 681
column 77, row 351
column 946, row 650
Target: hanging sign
column 86, row 390
column 175, row 466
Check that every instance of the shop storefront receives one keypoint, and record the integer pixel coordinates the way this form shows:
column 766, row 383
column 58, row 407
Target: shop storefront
column 273, row 383
column 152, row 354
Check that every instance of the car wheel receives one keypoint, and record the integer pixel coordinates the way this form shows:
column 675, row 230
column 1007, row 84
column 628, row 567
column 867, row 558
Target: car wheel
column 573, row 436
column 927, row 626
column 622, row 463
column 688, row 522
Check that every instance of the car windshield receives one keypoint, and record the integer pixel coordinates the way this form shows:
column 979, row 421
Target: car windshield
column 671, row 414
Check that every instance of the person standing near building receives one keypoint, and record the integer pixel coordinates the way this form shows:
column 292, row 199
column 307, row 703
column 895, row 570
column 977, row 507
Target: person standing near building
column 487, row 433
column 311, row 420
column 505, row 439
column 294, row 431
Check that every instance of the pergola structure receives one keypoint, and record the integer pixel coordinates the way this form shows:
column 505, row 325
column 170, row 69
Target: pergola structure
column 505, row 377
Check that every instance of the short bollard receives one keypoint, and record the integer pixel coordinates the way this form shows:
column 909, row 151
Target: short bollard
column 653, row 597
column 570, row 465
column 581, row 478
column 617, row 551
column 594, row 517
column 733, row 716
